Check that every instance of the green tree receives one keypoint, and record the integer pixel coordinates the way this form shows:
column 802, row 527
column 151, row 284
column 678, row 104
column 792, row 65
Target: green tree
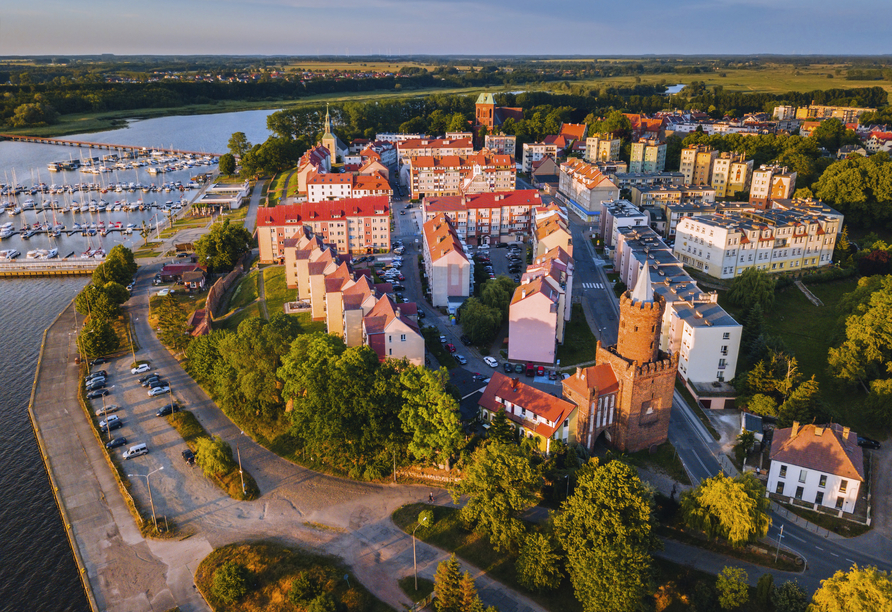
column 470, row 600
column 732, row 588
column 480, row 322
column 789, row 597
column 745, row 442
column 116, row 293
column 202, row 356
column 606, row 529
column 734, row 509
column 238, row 145
column 765, row 590
column 322, row 603
column 172, row 328
column 538, row 566
column 447, row 584
column 751, row 288
column 457, row 123
column 213, row 455
column 802, row 405
column 500, row 483
column 33, row 114
column 500, row 430
column 614, row 123
column 762, row 404
column 497, row 293
column 227, row 164
column 221, row 247
column 430, row 415
column 93, row 301
column 858, row 589
column 230, row 582
column 98, row 338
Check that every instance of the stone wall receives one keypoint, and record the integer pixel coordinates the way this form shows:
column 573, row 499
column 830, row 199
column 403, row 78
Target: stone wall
column 221, row 286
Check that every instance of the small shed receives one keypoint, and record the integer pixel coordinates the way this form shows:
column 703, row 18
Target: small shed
column 753, row 423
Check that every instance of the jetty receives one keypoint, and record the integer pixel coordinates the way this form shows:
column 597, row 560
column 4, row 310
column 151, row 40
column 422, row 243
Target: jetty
column 49, row 267
column 101, row 145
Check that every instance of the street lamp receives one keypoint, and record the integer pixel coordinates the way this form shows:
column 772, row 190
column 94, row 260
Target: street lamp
column 423, row 520
column 149, row 487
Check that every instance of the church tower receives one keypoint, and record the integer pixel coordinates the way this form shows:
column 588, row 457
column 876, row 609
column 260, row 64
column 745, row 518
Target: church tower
column 329, row 140
column 646, row 376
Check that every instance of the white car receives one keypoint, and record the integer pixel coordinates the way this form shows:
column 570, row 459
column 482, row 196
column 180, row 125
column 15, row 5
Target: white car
column 111, row 420
column 491, row 362
column 460, row 359
column 158, row 391
column 143, row 367
column 107, row 410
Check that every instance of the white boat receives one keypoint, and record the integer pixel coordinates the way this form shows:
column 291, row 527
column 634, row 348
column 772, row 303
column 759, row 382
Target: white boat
column 37, row 254
column 52, row 254
column 9, row 254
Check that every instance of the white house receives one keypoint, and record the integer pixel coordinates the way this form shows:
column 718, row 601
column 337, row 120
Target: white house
column 818, row 464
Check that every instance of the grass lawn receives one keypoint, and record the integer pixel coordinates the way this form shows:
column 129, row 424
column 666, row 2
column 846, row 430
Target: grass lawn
column 665, row 460
column 579, row 341
column 231, row 323
column 273, row 569
column 307, row 323
column 276, row 291
column 245, row 292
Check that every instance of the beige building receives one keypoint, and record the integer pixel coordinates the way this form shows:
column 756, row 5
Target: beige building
column 731, row 174
column 448, row 268
column 648, row 156
column 434, row 147
column 358, row 225
column 582, row 187
column 724, row 245
column 696, row 164
column 391, row 330
column 772, row 182
column 846, row 114
column 501, row 144
column 551, row 231
column 601, row 147
column 342, row 186
column 487, row 218
column 455, row 175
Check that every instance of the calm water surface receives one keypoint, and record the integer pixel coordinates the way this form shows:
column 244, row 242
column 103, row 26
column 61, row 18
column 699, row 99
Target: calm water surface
column 38, row 570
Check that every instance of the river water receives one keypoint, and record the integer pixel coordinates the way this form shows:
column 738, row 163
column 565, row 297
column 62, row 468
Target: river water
column 38, row 568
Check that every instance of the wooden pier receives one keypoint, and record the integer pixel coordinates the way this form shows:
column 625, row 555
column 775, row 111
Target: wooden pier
column 49, row 267
column 101, row 145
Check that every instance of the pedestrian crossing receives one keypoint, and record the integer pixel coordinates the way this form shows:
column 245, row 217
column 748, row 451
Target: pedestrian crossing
column 592, row 285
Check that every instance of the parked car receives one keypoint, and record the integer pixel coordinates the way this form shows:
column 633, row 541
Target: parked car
column 98, row 361
column 168, row 409
column 868, row 443
column 99, row 383
column 148, row 376
column 152, row 382
column 491, row 362
column 442, row 339
column 421, row 314
column 461, row 359
column 552, row 375
column 95, row 380
column 143, row 367
column 540, row 371
column 531, row 370
column 116, row 442
column 450, row 347
column 135, row 451
column 102, row 373
column 189, row 457
column 97, row 393
column 518, row 368
column 465, row 340
column 107, row 410
column 158, row 390
column 111, row 419
column 112, row 426
column 508, row 368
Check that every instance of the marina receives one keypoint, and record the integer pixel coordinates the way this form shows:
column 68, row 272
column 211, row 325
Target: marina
column 100, row 145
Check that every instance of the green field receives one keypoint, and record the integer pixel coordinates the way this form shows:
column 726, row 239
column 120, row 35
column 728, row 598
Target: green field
column 276, row 291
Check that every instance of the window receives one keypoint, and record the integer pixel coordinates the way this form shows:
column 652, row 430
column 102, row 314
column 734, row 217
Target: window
column 726, row 336
column 799, row 491
column 802, row 475
column 819, row 498
column 839, row 502
column 843, row 486
column 783, row 471
column 402, row 337
column 823, row 482
column 780, row 488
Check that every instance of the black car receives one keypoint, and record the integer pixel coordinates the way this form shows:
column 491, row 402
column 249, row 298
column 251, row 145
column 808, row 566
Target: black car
column 96, row 384
column 97, row 393
column 518, row 368
column 150, row 382
column 465, row 340
column 148, row 376
column 116, row 442
column 95, row 374
column 112, row 426
column 168, row 409
column 508, row 368
column 189, row 457
column 399, row 288
column 421, row 314
column 501, row 245
column 98, row 361
column 868, row 443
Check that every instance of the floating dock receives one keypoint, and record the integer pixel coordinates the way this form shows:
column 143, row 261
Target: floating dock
column 100, row 145
column 49, row 267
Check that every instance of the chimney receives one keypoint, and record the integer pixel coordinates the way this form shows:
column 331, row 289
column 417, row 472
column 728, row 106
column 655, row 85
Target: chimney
column 580, row 373
column 795, row 430
column 845, row 433
column 514, row 383
column 523, row 294
column 819, row 431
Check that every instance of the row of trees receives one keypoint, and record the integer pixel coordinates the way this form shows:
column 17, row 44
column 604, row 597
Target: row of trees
column 482, row 317
column 100, row 302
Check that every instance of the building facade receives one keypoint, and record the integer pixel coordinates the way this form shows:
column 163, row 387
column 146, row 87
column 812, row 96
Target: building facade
column 648, row 156
column 582, row 187
column 601, row 147
column 487, row 218
column 449, row 269
column 455, row 175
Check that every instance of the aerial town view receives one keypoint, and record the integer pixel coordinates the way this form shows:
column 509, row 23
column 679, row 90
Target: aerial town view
column 525, row 313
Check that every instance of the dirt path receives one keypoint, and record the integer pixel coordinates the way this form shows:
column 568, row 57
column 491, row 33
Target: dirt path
column 261, row 294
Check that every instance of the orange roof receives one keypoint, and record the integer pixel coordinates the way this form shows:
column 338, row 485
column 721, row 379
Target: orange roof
column 436, row 143
column 489, row 199
column 535, row 287
column 298, row 214
column 588, row 174
column 831, row 449
column 601, row 378
column 576, row 131
column 335, row 178
column 441, row 239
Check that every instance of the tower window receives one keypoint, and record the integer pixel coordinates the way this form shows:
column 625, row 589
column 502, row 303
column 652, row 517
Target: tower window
column 636, row 328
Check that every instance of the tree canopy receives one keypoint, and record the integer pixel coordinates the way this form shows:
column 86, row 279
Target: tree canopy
column 734, row 509
column 606, row 530
column 221, row 247
column 751, row 288
column 858, row 589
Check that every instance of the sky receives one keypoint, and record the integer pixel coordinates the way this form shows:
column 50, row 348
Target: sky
column 482, row 27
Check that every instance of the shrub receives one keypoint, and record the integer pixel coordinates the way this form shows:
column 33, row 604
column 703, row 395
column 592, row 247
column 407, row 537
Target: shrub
column 230, row 582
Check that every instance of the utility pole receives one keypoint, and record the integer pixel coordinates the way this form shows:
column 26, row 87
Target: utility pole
column 240, row 473
column 779, row 536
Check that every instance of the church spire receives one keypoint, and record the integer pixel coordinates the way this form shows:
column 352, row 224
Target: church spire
column 643, row 290
column 327, row 120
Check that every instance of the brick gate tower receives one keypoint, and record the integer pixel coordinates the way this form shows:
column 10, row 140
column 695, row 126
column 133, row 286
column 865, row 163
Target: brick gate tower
column 646, row 376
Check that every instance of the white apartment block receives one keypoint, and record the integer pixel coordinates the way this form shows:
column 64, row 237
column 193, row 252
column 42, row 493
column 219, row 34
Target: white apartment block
column 772, row 182
column 534, row 151
column 724, row 245
column 582, row 187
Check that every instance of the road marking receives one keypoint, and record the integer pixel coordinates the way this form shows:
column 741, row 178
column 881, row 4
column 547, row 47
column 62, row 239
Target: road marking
column 790, row 535
column 833, row 553
column 850, row 560
column 819, row 548
column 592, row 285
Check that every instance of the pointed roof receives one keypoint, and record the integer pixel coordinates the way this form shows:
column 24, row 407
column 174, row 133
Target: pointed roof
column 643, row 291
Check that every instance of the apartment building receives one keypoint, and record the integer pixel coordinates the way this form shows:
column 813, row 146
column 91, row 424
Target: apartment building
column 391, row 330
column 771, row 182
column 486, row 218
column 395, row 138
column 694, row 327
column 646, row 196
column 357, row 225
column 501, row 144
column 648, row 156
column 455, row 175
column 616, row 214
column 602, row 147
column 342, row 186
column 534, row 151
column 551, row 231
column 315, row 161
column 434, row 147
column 846, row 114
column 731, row 174
column 724, row 245
column 626, row 180
column 535, row 321
column 449, row 269
column 696, row 164
column 582, row 187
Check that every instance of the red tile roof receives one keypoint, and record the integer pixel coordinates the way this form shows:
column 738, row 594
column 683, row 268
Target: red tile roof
column 831, row 449
column 297, row 214
column 600, row 377
column 537, row 402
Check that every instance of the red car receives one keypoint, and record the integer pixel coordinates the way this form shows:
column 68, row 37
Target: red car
column 541, row 371
column 450, row 347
